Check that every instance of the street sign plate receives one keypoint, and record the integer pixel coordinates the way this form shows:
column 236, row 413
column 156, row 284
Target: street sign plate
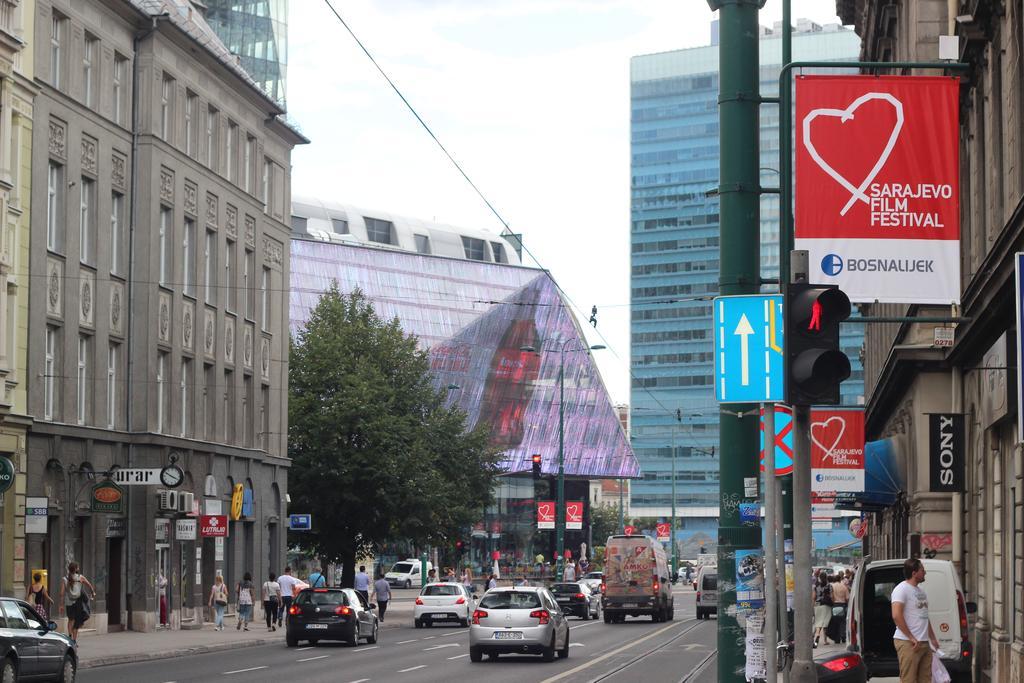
column 135, row 476
column 748, row 349
column 783, row 440
column 300, row 522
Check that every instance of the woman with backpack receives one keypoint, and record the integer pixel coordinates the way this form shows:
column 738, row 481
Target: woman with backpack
column 822, row 607
column 244, row 593
column 271, row 599
column 75, row 600
column 219, row 601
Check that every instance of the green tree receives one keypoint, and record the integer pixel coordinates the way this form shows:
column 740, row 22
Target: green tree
column 604, row 521
column 375, row 453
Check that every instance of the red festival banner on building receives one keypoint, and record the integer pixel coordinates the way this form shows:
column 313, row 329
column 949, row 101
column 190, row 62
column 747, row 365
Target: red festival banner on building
column 837, row 450
column 664, row 531
column 877, row 186
column 545, row 514
column 574, row 514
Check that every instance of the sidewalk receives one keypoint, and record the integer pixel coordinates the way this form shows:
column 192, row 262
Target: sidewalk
column 126, row 647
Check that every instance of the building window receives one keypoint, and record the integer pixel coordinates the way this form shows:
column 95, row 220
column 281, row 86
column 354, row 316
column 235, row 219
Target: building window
column 268, row 172
column 116, row 231
column 265, row 417
column 498, row 249
column 83, row 379
column 57, row 24
column 191, row 104
column 248, row 158
column 166, row 107
column 229, row 402
column 229, row 276
column 249, row 283
column 120, row 74
column 210, row 267
column 340, row 226
column 247, row 411
column 232, row 151
column 378, row 230
column 299, row 224
column 183, row 387
column 162, row 398
column 474, row 249
column 86, row 239
column 206, row 409
column 89, row 52
column 165, row 254
column 422, row 243
column 112, row 354
column 211, row 138
column 50, row 372
column 265, row 299
column 54, row 205
column 188, row 258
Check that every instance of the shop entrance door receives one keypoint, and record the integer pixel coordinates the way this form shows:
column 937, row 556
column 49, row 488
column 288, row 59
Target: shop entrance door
column 163, row 567
column 113, row 597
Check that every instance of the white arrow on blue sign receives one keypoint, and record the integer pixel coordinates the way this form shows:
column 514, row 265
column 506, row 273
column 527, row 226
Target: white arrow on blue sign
column 749, row 365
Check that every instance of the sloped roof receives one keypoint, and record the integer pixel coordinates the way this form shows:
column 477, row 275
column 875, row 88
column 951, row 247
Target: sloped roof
column 183, row 15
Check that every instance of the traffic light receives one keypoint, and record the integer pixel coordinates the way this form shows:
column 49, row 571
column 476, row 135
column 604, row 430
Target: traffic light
column 459, row 545
column 814, row 364
column 536, row 466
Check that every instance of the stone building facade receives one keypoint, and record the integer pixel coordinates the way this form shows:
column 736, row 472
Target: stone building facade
column 982, row 529
column 16, row 94
column 160, row 325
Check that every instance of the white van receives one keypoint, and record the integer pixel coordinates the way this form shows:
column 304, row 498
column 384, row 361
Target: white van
column 707, row 591
column 406, row 574
column 869, row 617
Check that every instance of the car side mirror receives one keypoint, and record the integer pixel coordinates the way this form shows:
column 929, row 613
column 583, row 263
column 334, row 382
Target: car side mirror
column 475, row 596
column 971, row 607
column 51, row 625
column 373, row 605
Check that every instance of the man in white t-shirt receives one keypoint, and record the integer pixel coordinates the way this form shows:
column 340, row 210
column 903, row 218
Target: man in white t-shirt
column 287, row 583
column 913, row 630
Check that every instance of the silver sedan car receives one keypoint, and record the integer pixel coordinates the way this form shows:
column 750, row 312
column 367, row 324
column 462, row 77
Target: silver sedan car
column 522, row 620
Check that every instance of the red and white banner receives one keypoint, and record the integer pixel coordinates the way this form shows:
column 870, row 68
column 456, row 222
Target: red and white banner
column 574, row 514
column 629, row 530
column 664, row 531
column 837, row 450
column 877, row 200
column 213, row 525
column 545, row 514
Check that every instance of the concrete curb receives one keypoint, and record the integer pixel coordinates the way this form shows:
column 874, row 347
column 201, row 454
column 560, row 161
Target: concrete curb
column 135, row 657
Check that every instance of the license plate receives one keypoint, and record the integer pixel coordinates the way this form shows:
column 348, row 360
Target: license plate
column 508, row 635
column 323, row 626
column 564, row 599
column 630, row 604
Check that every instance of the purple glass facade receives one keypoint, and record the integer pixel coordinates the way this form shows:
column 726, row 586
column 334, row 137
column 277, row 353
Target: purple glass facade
column 474, row 318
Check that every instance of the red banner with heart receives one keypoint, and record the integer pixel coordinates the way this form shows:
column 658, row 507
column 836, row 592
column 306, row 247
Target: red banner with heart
column 837, row 450
column 545, row 514
column 574, row 514
column 877, row 185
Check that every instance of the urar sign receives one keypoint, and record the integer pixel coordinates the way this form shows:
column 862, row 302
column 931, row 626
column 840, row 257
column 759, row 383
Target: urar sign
column 213, row 525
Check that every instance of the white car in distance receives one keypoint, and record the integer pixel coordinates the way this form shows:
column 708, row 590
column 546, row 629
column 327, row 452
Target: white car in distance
column 443, row 602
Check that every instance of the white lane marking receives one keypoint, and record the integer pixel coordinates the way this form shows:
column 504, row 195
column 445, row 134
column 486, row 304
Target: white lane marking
column 454, row 633
column 310, row 647
column 242, row 671
column 403, row 642
column 359, row 680
column 593, row 623
column 438, row 647
column 459, row 656
column 310, row 659
column 365, row 649
column 570, row 645
column 412, row 668
column 430, row 637
column 592, row 662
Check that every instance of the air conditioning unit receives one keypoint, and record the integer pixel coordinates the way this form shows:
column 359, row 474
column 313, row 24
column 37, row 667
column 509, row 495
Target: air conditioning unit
column 185, row 502
column 168, row 500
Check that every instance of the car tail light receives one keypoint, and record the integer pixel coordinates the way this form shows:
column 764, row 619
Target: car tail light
column 853, row 630
column 294, row 610
column 419, row 601
column 842, row 663
column 579, row 596
column 460, row 601
column 479, row 614
column 698, row 597
column 343, row 610
column 602, row 586
column 962, row 608
column 657, row 586
column 542, row 614
column 319, row 590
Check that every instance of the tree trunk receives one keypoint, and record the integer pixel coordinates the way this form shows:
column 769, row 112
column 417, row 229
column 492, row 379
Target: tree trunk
column 348, row 566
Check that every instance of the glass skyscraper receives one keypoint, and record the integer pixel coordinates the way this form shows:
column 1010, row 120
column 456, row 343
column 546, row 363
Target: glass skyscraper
column 257, row 32
column 674, row 236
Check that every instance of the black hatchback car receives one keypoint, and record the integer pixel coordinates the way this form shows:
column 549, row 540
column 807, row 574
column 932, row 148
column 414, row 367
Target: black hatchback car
column 578, row 599
column 33, row 650
column 331, row 614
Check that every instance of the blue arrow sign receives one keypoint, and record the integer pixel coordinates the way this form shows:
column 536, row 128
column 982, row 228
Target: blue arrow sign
column 748, row 349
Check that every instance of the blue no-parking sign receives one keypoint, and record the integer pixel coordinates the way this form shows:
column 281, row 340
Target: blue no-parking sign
column 749, row 364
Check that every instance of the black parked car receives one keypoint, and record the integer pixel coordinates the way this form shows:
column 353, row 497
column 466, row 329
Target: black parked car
column 331, row 614
column 33, row 650
column 577, row 599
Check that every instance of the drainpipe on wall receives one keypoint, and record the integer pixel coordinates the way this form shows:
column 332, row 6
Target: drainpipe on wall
column 957, row 406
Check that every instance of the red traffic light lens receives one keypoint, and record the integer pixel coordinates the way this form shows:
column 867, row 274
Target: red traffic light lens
column 536, row 459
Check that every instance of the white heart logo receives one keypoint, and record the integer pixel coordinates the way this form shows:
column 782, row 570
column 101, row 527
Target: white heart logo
column 824, row 426
column 844, row 115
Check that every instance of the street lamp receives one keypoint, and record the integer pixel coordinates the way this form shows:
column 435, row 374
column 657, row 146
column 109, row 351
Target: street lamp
column 560, row 504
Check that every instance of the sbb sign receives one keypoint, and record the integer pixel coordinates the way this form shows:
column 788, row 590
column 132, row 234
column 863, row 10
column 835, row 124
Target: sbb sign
column 877, row 186
column 213, row 525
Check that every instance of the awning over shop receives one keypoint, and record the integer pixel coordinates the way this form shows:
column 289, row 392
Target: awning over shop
column 885, row 477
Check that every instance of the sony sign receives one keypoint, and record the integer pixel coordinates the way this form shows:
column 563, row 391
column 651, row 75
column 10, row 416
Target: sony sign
column 946, row 452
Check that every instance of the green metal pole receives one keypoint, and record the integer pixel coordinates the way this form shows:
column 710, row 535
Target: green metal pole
column 622, row 512
column 739, row 190
column 672, row 526
column 560, row 506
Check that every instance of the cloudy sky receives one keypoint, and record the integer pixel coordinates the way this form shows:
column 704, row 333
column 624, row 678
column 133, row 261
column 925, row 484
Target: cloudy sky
column 530, row 96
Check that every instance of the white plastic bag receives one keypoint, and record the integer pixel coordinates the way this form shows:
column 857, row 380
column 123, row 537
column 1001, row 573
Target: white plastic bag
column 939, row 673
